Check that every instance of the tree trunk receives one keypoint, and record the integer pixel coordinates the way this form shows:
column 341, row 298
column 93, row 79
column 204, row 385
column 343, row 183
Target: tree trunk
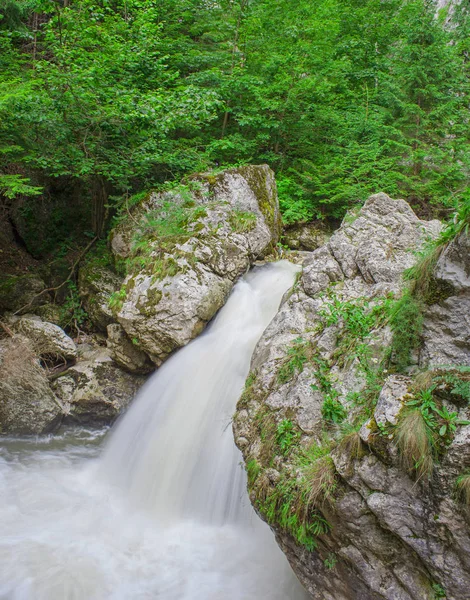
column 99, row 201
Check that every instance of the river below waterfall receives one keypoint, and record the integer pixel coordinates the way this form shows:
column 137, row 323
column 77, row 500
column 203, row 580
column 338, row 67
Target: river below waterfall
column 155, row 508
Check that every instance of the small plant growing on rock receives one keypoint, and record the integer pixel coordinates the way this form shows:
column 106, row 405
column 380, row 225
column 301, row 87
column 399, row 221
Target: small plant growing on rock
column 117, row 299
column 253, row 469
column 73, row 315
column 416, row 442
column 286, row 436
column 297, row 356
column 462, row 488
column 241, row 221
column 351, row 442
column 439, row 592
column 330, row 561
column 332, row 410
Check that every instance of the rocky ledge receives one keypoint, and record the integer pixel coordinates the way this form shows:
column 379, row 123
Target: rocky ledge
column 354, row 420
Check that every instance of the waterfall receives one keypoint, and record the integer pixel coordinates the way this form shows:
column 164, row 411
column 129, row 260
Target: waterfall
column 163, row 512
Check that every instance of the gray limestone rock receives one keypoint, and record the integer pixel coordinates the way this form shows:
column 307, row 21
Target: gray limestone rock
column 125, row 352
column 95, row 391
column 239, row 222
column 27, row 404
column 391, row 537
column 446, row 331
column 48, row 340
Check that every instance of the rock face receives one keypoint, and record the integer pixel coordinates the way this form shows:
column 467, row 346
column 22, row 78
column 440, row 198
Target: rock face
column 319, row 420
column 126, row 353
column 178, row 282
column 447, row 323
column 95, row 390
column 27, row 404
column 306, row 237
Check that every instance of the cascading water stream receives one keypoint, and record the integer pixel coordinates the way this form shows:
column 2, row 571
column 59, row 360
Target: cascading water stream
column 163, row 513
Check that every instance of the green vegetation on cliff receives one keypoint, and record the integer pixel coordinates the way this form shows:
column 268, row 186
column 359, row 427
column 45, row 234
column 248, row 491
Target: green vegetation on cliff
column 103, row 98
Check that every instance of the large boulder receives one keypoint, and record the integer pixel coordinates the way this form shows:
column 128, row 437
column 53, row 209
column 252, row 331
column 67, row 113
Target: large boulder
column 27, row 404
column 48, row 341
column 95, row 390
column 176, row 283
column 308, row 236
column 317, row 422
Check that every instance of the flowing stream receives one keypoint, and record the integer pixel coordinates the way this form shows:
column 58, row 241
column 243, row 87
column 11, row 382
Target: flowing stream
column 161, row 512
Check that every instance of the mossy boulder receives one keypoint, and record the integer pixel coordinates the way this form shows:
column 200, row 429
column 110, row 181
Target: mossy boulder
column 306, row 237
column 185, row 248
column 126, row 352
column 48, row 341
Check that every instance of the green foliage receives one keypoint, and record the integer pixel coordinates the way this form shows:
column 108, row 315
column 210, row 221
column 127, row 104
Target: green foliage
column 406, row 314
column 406, row 322
column 295, row 502
column 286, row 436
column 253, row 469
column 125, row 95
column 332, row 410
column 330, row 561
column 424, row 430
column 439, row 591
column 12, row 186
column 357, row 318
column 437, row 419
column 72, row 313
column 416, row 442
column 242, row 221
column 296, row 357
column 462, row 488
column 117, row 299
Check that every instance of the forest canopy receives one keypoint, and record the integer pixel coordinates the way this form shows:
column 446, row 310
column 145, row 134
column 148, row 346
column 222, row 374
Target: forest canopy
column 342, row 98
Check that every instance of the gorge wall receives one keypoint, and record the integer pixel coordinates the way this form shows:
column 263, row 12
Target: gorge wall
column 357, row 458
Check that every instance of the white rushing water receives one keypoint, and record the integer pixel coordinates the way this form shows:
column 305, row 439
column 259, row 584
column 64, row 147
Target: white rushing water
column 161, row 513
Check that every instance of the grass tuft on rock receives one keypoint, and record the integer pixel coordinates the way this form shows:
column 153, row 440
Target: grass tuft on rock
column 462, row 487
column 416, row 443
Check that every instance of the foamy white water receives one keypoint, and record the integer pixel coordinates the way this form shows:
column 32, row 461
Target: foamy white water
column 162, row 512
